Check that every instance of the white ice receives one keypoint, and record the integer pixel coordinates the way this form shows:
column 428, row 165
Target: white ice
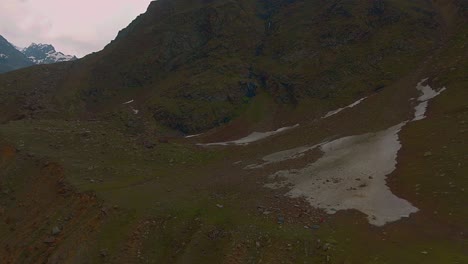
column 192, row 136
column 129, row 102
column 351, row 175
column 284, row 155
column 427, row 93
column 255, row 136
column 341, row 109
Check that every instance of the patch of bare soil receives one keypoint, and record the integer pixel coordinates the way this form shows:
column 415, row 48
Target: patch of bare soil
column 42, row 219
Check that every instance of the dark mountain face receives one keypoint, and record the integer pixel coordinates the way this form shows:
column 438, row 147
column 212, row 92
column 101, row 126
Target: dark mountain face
column 45, row 54
column 10, row 58
column 197, row 64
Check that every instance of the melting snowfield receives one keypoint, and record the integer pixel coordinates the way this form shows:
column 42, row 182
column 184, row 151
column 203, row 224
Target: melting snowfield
column 351, row 174
column 255, row 136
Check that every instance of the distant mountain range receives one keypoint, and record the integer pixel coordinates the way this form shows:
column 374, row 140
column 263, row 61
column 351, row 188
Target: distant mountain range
column 45, row 54
column 13, row 57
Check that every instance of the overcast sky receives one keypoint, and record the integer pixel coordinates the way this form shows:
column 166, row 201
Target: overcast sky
column 75, row 27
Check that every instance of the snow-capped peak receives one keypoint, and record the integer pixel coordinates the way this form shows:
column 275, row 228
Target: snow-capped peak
column 45, row 54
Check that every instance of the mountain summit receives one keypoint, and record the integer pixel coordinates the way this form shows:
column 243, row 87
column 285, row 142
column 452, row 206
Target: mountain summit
column 13, row 58
column 10, row 58
column 45, row 54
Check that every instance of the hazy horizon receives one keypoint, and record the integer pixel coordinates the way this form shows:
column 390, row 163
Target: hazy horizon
column 74, row 28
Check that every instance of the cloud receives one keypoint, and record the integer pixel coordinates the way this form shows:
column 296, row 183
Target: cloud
column 73, row 27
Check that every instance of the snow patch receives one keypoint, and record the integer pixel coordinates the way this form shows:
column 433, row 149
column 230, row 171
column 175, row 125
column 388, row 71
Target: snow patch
column 352, row 172
column 128, row 102
column 351, row 175
column 255, row 136
column 427, row 94
column 284, row 155
column 192, row 136
column 331, row 113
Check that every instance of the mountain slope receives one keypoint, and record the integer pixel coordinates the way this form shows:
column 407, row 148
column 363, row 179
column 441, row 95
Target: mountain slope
column 196, row 65
column 11, row 58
